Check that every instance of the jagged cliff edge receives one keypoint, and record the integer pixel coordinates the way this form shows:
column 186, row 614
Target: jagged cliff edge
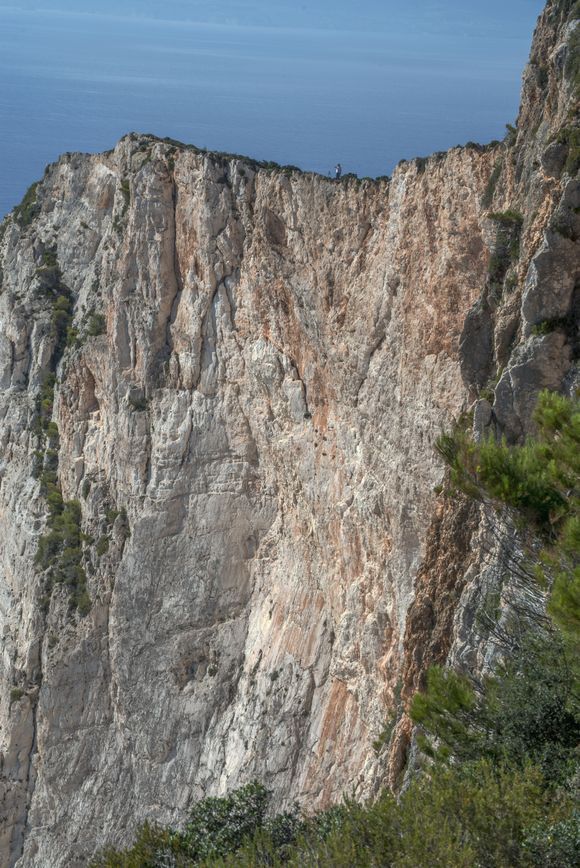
column 222, row 551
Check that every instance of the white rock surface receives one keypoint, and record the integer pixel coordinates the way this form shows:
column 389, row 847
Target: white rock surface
column 280, row 353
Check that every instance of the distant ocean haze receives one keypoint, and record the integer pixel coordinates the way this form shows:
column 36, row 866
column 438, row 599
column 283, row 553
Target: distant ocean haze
column 307, row 95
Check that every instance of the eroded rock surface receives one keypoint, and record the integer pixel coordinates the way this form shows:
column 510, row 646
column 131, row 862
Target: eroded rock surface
column 251, row 368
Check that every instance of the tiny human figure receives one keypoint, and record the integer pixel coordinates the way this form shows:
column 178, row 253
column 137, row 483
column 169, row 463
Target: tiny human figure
column 338, row 171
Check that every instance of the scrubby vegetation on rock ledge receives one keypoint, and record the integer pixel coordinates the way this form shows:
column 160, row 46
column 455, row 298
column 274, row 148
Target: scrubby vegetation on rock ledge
column 498, row 782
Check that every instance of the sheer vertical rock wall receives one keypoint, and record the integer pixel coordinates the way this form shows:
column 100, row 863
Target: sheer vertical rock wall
column 251, row 367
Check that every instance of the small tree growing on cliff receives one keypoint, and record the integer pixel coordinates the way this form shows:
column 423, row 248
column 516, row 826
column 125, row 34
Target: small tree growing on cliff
column 529, row 711
column 540, row 483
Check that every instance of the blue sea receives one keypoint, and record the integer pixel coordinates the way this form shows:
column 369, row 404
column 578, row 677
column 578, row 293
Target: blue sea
column 297, row 88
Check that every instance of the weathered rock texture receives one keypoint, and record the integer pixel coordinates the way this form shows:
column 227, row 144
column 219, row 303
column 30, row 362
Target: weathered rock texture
column 263, row 360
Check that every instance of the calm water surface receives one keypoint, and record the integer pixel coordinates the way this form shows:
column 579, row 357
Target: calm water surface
column 308, row 96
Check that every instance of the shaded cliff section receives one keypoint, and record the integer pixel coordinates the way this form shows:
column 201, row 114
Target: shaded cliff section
column 521, row 336
column 222, row 552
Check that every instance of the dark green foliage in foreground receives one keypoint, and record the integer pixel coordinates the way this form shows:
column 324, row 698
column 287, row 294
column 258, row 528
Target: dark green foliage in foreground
column 216, row 827
column 527, row 713
column 555, row 844
column 479, row 814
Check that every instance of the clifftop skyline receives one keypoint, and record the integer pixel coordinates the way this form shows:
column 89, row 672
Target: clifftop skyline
column 364, row 84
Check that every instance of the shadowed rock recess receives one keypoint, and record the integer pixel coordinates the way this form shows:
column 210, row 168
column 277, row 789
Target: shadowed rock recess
column 222, row 553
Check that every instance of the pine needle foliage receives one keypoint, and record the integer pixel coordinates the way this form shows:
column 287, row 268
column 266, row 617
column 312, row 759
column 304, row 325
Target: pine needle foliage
column 539, row 481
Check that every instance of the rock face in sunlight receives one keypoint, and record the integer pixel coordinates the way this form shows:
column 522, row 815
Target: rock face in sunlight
column 222, row 552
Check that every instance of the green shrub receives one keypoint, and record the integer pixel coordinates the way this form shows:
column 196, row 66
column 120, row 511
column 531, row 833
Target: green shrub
column 216, row 827
column 62, row 314
column 384, row 735
column 554, row 844
column 49, row 257
column 138, row 403
column 60, row 550
column 506, row 246
column 96, row 324
column 73, row 337
column 16, row 694
column 547, row 326
column 51, row 285
column 538, row 481
column 151, row 846
column 524, row 714
column 542, row 76
column 511, row 135
column 478, row 814
column 102, row 546
column 126, row 191
column 52, row 431
column 123, row 528
column 81, row 601
column 570, row 136
column 507, row 218
column 45, row 400
column 111, row 514
column 28, row 209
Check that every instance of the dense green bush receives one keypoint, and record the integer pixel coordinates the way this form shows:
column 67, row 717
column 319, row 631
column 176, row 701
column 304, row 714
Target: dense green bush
column 60, row 549
column 216, row 827
column 476, row 815
column 556, row 845
column 96, row 324
column 526, row 713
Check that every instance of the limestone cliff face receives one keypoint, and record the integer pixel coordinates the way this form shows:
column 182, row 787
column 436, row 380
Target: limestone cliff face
column 221, row 552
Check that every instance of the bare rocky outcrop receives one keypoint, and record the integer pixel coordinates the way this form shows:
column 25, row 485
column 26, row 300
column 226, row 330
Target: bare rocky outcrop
column 233, row 377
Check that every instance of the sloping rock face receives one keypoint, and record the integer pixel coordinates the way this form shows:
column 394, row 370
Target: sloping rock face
column 222, row 555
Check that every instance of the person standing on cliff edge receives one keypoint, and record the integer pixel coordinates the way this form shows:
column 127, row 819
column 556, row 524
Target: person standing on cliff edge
column 338, row 171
